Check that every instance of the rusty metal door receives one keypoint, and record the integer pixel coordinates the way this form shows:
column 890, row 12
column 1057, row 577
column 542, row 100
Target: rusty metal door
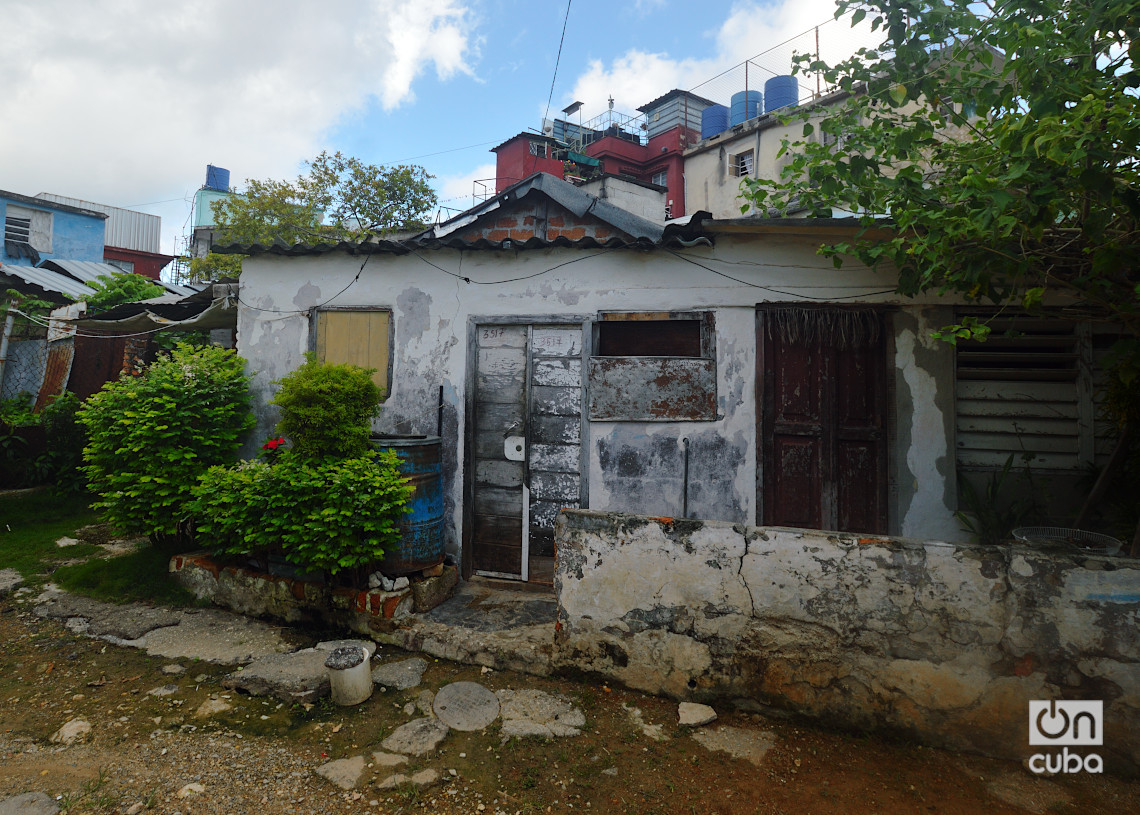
column 527, row 445
column 822, row 420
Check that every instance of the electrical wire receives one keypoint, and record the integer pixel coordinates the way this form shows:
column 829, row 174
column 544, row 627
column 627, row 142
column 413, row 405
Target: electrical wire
column 32, row 318
column 553, row 79
column 775, row 290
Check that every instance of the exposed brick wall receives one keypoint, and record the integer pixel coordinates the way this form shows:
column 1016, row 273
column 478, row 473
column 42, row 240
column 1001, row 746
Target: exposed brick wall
column 520, row 224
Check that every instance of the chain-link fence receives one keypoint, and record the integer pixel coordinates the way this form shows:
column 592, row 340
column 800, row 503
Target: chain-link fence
column 26, row 361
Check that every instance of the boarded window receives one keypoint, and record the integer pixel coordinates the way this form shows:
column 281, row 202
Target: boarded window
column 658, row 366
column 358, row 337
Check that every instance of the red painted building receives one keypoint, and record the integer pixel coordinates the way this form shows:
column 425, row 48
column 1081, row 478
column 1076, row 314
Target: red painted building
column 147, row 264
column 648, row 148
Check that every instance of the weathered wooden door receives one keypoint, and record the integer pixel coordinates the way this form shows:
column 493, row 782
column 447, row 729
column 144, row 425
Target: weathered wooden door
column 527, row 445
column 823, row 419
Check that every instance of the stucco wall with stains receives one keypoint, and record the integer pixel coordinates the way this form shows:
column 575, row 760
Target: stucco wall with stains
column 946, row 643
column 630, row 466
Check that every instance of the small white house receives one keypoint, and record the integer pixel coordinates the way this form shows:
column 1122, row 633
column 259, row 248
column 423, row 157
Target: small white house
column 587, row 357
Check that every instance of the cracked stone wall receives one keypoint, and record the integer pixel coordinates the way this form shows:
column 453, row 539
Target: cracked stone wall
column 944, row 642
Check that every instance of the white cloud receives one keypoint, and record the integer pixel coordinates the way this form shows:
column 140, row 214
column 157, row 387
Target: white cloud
column 125, row 102
column 455, row 191
column 751, row 29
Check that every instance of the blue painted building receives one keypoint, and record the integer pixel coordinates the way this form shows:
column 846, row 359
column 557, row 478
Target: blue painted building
column 36, row 229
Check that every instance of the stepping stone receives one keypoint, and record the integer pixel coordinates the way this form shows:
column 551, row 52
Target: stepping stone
column 344, row 772
column 750, row 745
column 554, row 715
column 691, row 714
column 126, row 622
column 75, row 730
column 212, row 707
column 417, row 737
column 297, row 677
column 10, row 580
column 215, row 636
column 30, row 803
column 423, row 778
column 382, row 759
column 406, row 673
column 466, row 706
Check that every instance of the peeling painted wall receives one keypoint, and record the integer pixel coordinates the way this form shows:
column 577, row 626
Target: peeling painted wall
column 630, row 466
column 944, row 642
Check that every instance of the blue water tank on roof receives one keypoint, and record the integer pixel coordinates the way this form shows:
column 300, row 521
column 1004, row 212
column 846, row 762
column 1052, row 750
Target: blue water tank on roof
column 781, row 92
column 714, row 120
column 746, row 105
column 217, row 178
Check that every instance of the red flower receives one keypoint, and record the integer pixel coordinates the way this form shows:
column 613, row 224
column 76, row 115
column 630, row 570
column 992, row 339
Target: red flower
column 273, row 444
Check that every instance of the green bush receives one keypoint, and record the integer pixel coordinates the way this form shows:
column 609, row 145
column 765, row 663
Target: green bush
column 151, row 435
column 326, row 410
column 323, row 516
column 41, row 448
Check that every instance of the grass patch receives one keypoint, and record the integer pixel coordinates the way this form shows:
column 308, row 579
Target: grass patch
column 31, row 523
column 139, row 576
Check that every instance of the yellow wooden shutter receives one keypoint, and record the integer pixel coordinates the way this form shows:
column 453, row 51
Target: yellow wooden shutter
column 358, row 338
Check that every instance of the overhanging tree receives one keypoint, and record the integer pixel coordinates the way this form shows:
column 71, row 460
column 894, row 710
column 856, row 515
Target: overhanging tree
column 1002, row 139
column 340, row 198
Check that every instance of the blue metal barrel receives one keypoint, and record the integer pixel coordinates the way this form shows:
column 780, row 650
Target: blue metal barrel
column 781, row 92
column 421, row 530
column 746, row 105
column 714, row 120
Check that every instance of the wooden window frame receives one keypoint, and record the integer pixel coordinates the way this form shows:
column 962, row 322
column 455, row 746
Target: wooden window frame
column 314, row 319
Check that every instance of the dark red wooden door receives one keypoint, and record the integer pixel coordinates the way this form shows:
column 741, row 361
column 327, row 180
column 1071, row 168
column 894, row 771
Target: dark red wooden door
column 823, row 421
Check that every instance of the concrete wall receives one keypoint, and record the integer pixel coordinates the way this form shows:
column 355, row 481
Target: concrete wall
column 630, row 466
column 708, row 183
column 74, row 236
column 944, row 642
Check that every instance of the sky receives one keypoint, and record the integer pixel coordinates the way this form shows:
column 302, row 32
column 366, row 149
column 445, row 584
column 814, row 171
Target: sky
column 125, row 102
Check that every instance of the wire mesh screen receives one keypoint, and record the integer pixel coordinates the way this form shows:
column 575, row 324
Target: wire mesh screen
column 833, row 41
column 24, row 369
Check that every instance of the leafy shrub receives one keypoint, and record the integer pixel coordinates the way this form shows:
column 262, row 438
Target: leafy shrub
column 326, row 410
column 40, row 448
column 325, row 516
column 120, row 287
column 152, row 434
column 65, row 438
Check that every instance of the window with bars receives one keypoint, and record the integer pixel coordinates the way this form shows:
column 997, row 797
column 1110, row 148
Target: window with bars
column 742, row 163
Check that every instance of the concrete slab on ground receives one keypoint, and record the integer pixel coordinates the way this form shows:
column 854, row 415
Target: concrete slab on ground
column 484, row 623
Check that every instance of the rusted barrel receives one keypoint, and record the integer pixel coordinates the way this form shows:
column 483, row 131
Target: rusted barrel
column 421, row 530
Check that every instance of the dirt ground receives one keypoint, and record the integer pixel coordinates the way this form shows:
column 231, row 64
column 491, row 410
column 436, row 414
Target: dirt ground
column 259, row 756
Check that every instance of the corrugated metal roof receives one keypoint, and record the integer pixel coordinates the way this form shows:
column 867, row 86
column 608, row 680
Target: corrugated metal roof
column 39, row 202
column 47, row 280
column 88, row 270
column 126, row 228
column 660, row 100
column 84, row 270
